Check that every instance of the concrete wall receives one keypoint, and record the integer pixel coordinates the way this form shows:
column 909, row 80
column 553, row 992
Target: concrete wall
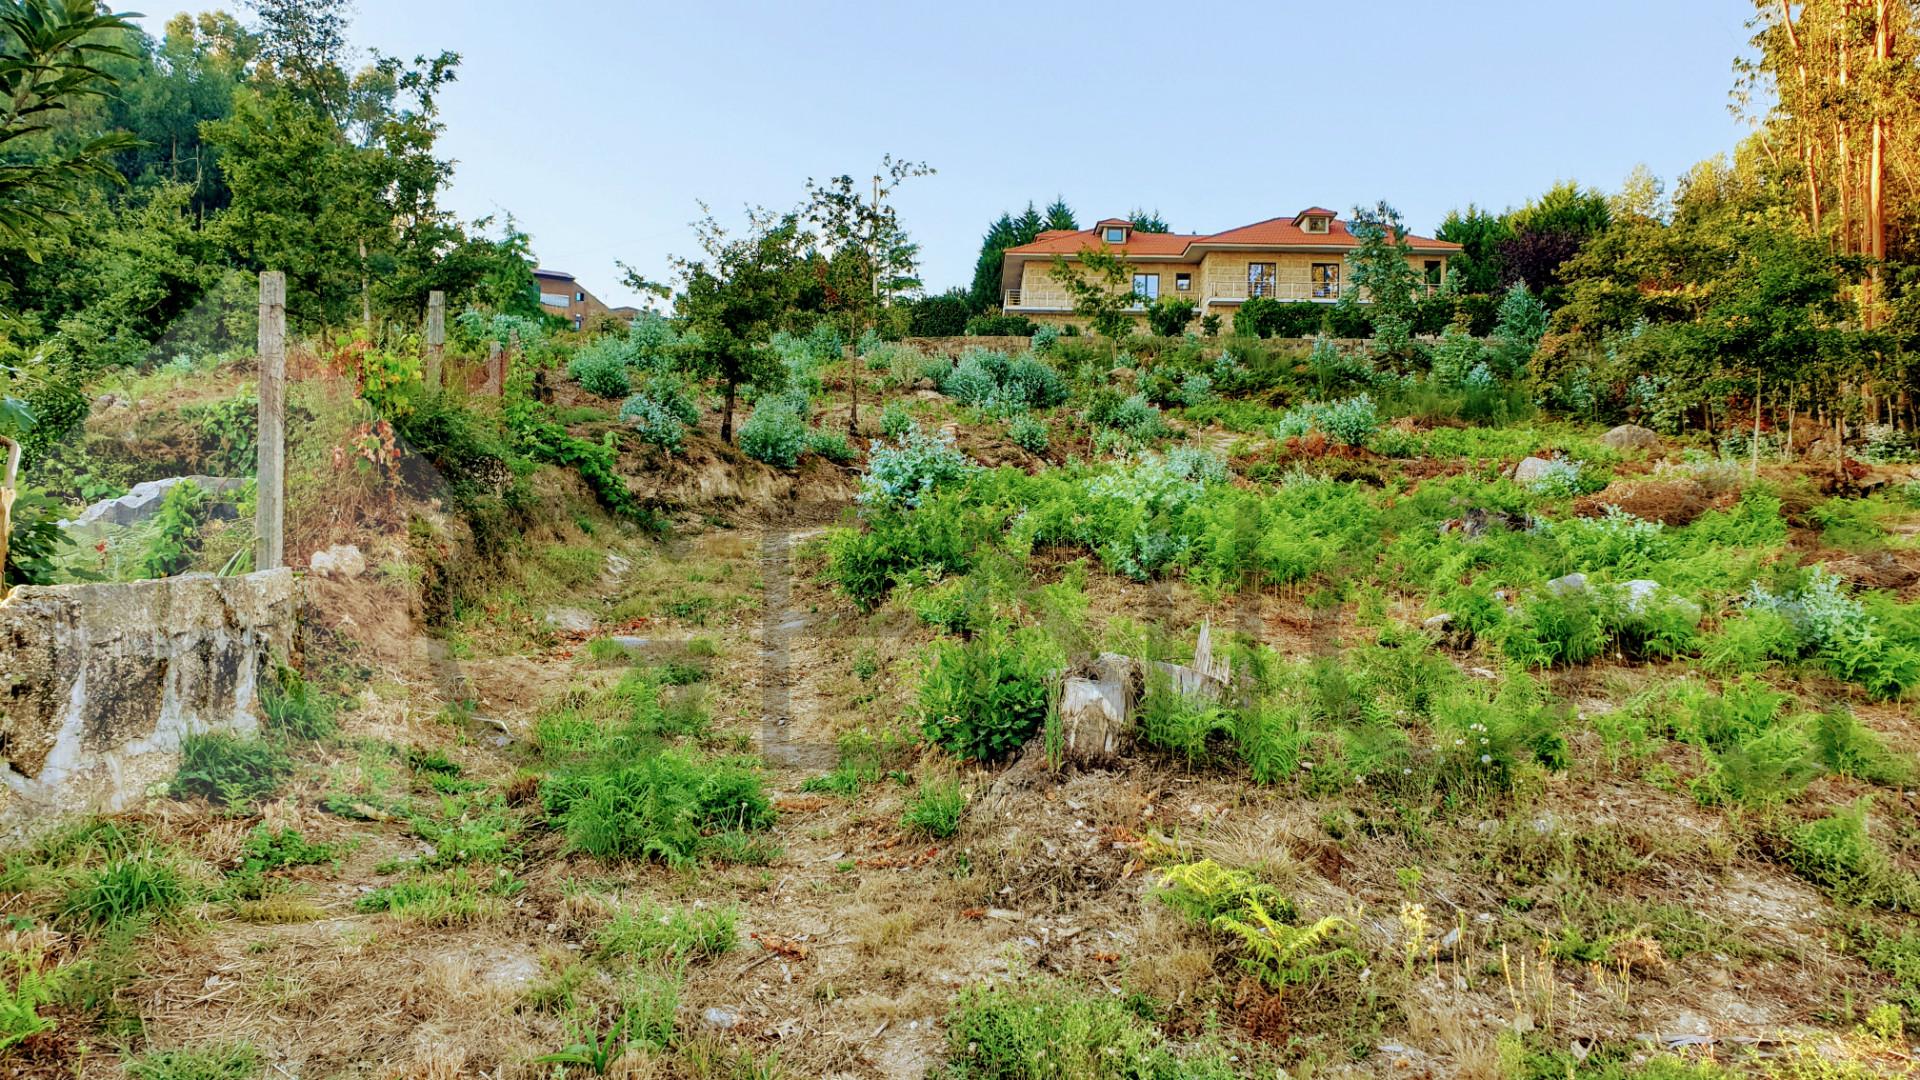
column 99, row 682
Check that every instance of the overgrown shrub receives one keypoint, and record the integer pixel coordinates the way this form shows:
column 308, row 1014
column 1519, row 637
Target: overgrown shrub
column 902, row 473
column 1000, row 326
column 653, row 423
column 1002, row 384
column 895, row 420
column 832, row 445
column 1263, row 316
column 775, row 434
column 1350, row 422
column 600, row 367
column 1028, row 433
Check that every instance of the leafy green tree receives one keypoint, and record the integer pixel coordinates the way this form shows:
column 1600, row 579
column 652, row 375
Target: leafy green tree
column 1379, row 265
column 734, row 296
column 868, row 255
column 1549, row 231
column 1100, row 283
column 1479, row 234
column 51, row 61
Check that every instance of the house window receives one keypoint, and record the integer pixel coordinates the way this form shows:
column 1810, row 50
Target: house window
column 1326, row 280
column 1116, row 235
column 1316, row 224
column 554, row 299
column 1146, row 286
column 1261, row 279
column 1433, row 271
column 1182, row 282
column 579, row 298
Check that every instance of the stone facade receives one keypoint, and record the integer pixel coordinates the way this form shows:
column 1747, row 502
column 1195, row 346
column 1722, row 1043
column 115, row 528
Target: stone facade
column 98, row 683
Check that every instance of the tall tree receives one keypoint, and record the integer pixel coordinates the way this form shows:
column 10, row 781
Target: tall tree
column 1379, row 267
column 1060, row 217
column 868, row 256
column 735, row 295
column 1148, row 221
column 1480, row 233
column 1550, row 230
column 1005, row 232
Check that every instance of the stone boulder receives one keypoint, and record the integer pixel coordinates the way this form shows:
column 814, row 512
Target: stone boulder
column 1631, row 437
column 1531, row 469
column 143, row 502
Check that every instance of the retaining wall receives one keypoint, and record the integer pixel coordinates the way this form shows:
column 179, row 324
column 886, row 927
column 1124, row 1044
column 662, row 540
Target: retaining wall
column 99, row 682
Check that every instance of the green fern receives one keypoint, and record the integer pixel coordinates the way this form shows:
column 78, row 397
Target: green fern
column 1280, row 955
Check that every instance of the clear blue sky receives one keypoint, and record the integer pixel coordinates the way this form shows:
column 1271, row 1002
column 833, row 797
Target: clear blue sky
column 599, row 124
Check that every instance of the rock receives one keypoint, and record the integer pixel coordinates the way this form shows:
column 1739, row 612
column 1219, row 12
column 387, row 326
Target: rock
column 1530, row 469
column 570, row 620
column 1448, row 630
column 618, row 565
column 1642, row 595
column 720, row 1019
column 143, row 501
column 1438, row 624
column 340, row 560
column 1572, row 583
column 1631, row 437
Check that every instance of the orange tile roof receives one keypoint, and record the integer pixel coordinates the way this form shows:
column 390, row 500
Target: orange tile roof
column 1274, row 232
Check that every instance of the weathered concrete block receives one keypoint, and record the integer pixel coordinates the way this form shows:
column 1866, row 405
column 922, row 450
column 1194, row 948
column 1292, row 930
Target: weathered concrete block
column 98, row 683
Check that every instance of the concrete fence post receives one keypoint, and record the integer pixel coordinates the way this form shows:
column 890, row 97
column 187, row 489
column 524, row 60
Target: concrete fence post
column 496, row 371
column 270, row 542
column 436, row 337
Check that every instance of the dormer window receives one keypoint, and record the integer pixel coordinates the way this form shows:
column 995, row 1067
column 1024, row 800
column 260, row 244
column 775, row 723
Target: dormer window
column 1317, row 220
column 1115, row 234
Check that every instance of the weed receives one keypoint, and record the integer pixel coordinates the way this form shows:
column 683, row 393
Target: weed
column 294, row 708
column 449, row 900
column 648, row 931
column 1043, row 1030
column 235, row 1061
column 935, row 809
column 981, row 699
column 231, row 769
column 659, row 807
column 131, row 888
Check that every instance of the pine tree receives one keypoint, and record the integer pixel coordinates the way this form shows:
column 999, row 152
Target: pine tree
column 1060, row 215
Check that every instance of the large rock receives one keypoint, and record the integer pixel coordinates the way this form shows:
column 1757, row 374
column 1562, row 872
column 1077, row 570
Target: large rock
column 1642, row 596
column 143, row 502
column 1631, row 437
column 99, row 682
column 1531, row 469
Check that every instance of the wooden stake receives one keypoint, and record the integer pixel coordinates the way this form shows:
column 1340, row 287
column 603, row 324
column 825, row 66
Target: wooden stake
column 496, row 371
column 436, row 337
column 270, row 542
column 8, row 477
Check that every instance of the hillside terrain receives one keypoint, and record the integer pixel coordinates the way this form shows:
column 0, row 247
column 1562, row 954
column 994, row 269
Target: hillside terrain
column 769, row 784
